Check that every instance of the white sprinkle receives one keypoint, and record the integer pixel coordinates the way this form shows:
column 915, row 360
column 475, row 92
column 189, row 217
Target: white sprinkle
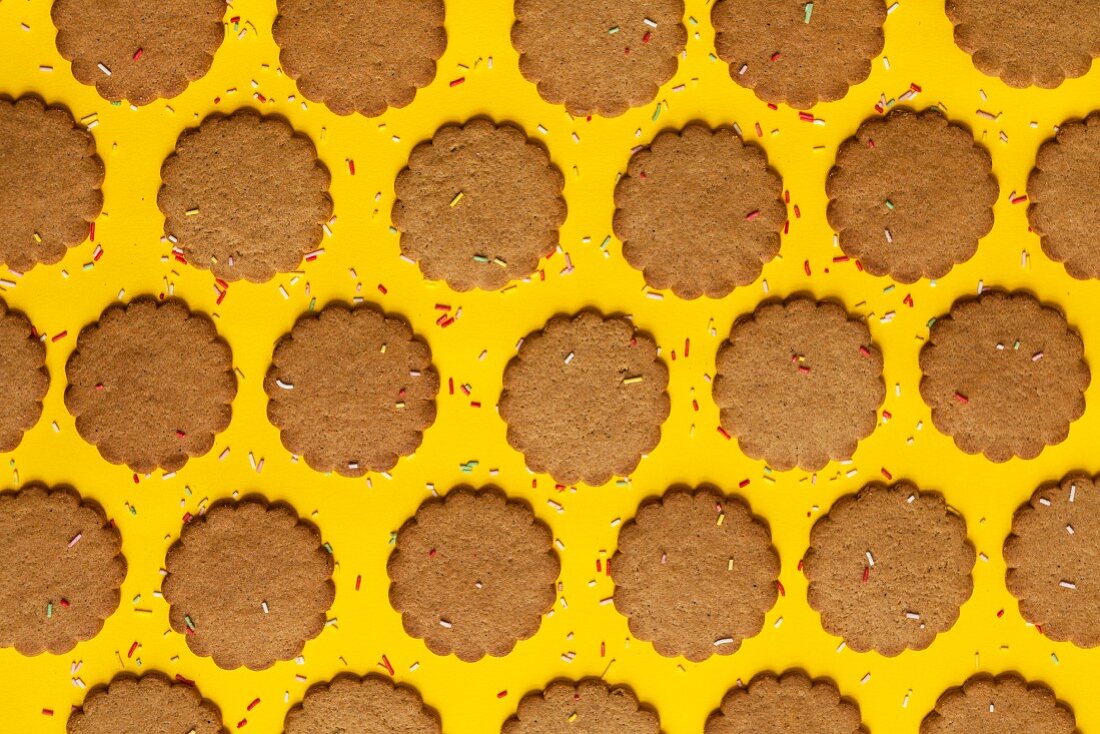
column 723, row 641
column 841, row 646
column 912, row 615
column 445, row 624
column 650, row 23
column 889, row 237
column 284, row 385
column 870, row 559
column 104, row 69
column 1072, row 492
column 569, row 358
column 1044, row 502
column 264, row 605
column 76, row 539
column 1067, row 585
column 1069, row 529
column 864, row 679
column 892, row 8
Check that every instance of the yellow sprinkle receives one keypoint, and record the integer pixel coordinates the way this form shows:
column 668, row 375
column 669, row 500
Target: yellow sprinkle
column 729, row 566
column 458, row 198
column 37, row 237
column 572, row 717
column 721, row 518
column 191, row 212
column 633, row 380
column 399, row 406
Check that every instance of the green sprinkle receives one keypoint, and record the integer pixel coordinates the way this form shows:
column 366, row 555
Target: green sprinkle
column 190, row 624
column 1016, row 344
column 606, row 242
column 480, row 259
column 656, row 112
column 888, row 289
column 49, row 609
column 890, row 205
column 327, row 547
column 393, row 537
column 931, row 321
column 613, row 31
column 312, row 303
column 809, row 8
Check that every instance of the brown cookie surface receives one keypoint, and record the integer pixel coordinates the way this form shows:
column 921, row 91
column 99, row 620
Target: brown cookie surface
column 695, row 572
column 139, row 51
column 351, row 390
column 799, row 383
column 24, row 379
column 601, row 57
column 473, row 573
column 1002, row 705
column 996, row 358
column 50, row 176
column 589, row 706
column 910, row 195
column 1027, row 42
column 60, row 569
column 699, row 212
column 248, row 583
column 352, row 704
column 889, row 568
column 231, row 210
column 478, row 205
column 1061, row 189
column 150, row 384
column 799, row 53
column 791, row 702
column 151, row 704
column 1053, row 559
column 360, row 57
column 584, row 399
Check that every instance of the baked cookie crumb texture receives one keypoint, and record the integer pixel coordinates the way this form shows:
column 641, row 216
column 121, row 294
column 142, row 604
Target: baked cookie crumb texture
column 589, row 706
column 1027, row 43
column 473, row 573
column 139, row 51
column 699, row 212
column 50, row 176
column 150, row 384
column 349, row 703
column 248, row 583
column 1053, row 559
column 478, row 205
column 1061, row 189
column 24, row 379
column 151, row 704
column 910, row 195
column 360, row 57
column 599, row 58
column 799, row 53
column 1003, row 705
column 232, row 211
column 996, row 358
column 695, row 573
column 889, row 568
column 60, row 569
column 351, row 390
column 584, row 399
column 772, row 704
column 799, row 383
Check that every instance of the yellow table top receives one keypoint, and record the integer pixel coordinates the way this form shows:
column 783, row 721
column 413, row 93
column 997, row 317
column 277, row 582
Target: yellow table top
column 357, row 516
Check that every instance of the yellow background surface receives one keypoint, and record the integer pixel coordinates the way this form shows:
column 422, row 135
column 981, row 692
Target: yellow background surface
column 357, row 516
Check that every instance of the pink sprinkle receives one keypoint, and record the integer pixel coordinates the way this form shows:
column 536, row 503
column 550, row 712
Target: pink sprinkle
column 752, row 215
column 76, row 539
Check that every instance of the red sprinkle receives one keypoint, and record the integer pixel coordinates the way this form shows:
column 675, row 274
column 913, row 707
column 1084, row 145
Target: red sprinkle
column 138, row 54
column 687, row 348
column 91, row 231
column 886, row 473
column 59, row 336
column 724, row 432
column 645, row 38
column 184, row 681
column 502, row 694
column 386, row 663
column 603, row 649
column 456, row 82
column 840, row 259
column 752, row 215
column 743, row 483
column 448, row 322
column 961, row 398
column 1000, row 613
column 915, row 87
column 806, row 267
column 136, row 479
column 475, row 404
column 133, row 647
column 805, row 117
column 47, row 712
column 442, row 307
column 451, row 385
column 241, row 723
column 382, row 289
column 772, row 106
column 358, row 580
column 776, row 56
column 759, row 131
column 351, row 166
column 1019, row 199
column 866, row 573
column 779, row 585
column 64, row 603
column 254, row 704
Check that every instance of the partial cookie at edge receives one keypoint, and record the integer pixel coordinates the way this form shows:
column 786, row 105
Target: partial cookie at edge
column 149, row 704
column 779, row 704
column 349, row 703
column 588, row 706
column 1003, row 705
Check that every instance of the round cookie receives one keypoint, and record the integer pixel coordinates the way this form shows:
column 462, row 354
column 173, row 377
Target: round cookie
column 360, row 57
column 799, row 53
column 589, row 706
column 61, row 568
column 234, row 213
column 351, row 390
column 150, row 384
column 910, row 195
column 24, row 379
column 478, row 205
column 248, row 583
column 699, row 212
column 584, row 399
column 995, row 359
column 50, row 176
column 889, row 568
column 799, row 383
column 695, row 573
column 787, row 703
column 1027, row 43
column 473, row 573
column 139, row 51
column 1002, row 705
column 352, row 704
column 599, row 58
column 1053, row 558
column 1064, row 182
column 151, row 704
